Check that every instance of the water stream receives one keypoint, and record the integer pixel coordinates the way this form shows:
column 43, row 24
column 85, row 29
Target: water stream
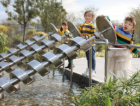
column 45, row 91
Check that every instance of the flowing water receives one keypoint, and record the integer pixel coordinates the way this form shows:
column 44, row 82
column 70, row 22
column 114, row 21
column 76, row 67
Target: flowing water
column 45, row 91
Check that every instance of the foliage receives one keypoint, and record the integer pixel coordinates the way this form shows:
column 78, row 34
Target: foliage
column 120, row 92
column 30, row 33
column 3, row 29
column 4, row 40
column 51, row 11
column 81, row 54
column 16, row 39
column 100, row 54
column 13, row 27
column 6, row 30
column 136, row 40
column 99, row 47
column 135, row 12
column 24, row 11
column 33, row 23
column 40, row 33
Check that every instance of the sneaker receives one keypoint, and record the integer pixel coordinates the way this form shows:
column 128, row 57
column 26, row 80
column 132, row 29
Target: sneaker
column 69, row 66
column 86, row 72
column 93, row 73
column 73, row 66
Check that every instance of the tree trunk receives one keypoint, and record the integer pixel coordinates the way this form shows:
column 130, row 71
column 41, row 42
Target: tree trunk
column 24, row 33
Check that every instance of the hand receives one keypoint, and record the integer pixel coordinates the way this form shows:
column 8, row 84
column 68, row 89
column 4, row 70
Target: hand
column 80, row 34
column 83, row 37
column 67, row 39
column 104, row 16
column 139, row 52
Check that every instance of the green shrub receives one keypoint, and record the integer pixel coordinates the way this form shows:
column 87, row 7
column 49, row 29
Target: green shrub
column 40, row 33
column 4, row 40
column 3, row 29
column 120, row 92
column 99, row 47
column 30, row 33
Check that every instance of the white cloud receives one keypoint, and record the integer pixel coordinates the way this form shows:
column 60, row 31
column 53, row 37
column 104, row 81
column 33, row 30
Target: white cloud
column 71, row 5
column 117, row 11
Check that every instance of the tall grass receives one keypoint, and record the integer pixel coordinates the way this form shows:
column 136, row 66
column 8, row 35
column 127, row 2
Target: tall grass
column 119, row 92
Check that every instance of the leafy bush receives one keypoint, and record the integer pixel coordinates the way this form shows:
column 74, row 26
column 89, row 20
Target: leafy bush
column 3, row 29
column 16, row 39
column 30, row 33
column 81, row 54
column 4, row 40
column 99, row 47
column 39, row 33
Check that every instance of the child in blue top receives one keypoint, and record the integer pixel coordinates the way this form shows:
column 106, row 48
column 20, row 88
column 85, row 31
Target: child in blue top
column 119, row 62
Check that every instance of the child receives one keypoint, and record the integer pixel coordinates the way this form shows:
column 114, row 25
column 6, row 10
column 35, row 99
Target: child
column 119, row 62
column 87, row 30
column 62, row 31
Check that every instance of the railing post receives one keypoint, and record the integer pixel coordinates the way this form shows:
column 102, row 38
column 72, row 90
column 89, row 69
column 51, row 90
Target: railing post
column 63, row 69
column 71, row 74
column 53, row 70
column 106, row 58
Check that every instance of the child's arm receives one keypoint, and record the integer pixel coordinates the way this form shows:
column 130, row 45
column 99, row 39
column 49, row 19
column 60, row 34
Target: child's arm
column 109, row 20
column 59, row 32
column 80, row 31
column 134, row 50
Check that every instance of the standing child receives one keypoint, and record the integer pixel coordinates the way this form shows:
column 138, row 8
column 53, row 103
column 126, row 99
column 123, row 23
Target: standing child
column 62, row 31
column 87, row 30
column 119, row 62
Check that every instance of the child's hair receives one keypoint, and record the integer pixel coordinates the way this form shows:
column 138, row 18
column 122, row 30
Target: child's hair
column 63, row 23
column 89, row 11
column 131, row 19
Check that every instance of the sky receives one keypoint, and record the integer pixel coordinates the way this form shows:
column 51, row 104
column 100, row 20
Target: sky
column 115, row 9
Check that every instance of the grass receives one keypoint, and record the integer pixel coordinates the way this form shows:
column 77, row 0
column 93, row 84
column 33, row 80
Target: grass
column 119, row 92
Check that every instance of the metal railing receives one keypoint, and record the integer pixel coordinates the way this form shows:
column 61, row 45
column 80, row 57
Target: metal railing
column 57, row 58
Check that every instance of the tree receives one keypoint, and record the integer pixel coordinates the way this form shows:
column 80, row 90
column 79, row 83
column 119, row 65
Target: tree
column 75, row 19
column 51, row 11
column 24, row 11
column 135, row 12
